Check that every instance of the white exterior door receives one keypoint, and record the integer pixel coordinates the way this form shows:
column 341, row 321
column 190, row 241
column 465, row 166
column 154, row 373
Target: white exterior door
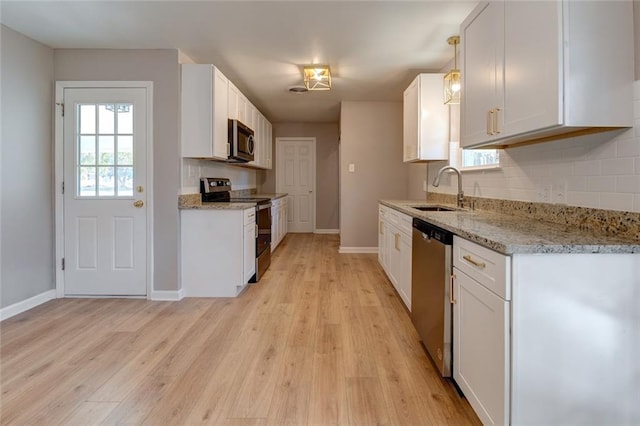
column 295, row 175
column 105, row 202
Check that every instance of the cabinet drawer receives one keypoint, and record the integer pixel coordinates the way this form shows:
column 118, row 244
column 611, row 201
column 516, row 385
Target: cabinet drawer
column 249, row 216
column 405, row 223
column 392, row 217
column 489, row 268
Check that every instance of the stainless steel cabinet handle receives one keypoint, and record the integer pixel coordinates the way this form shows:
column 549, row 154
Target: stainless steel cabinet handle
column 452, row 300
column 495, row 121
column 469, row 259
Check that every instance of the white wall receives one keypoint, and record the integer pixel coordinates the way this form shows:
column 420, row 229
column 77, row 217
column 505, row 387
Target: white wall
column 160, row 66
column 598, row 171
column 327, row 187
column 27, row 230
column 371, row 139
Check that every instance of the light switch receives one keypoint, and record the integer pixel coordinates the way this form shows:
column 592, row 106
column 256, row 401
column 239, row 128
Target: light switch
column 352, row 167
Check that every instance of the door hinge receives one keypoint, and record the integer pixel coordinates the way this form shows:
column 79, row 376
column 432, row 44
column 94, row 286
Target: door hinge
column 62, row 263
column 61, row 106
column 63, row 187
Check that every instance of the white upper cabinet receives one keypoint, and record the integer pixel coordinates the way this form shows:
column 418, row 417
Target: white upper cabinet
column 204, row 112
column 425, row 124
column 209, row 100
column 233, row 94
column 533, row 70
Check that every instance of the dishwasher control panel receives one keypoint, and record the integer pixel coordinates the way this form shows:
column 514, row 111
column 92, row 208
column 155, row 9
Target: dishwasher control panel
column 432, row 231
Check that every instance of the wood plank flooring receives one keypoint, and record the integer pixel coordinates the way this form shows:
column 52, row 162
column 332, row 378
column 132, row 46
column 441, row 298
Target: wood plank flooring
column 322, row 339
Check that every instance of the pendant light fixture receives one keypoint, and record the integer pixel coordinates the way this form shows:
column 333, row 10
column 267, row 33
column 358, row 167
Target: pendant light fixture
column 317, row 77
column 452, row 80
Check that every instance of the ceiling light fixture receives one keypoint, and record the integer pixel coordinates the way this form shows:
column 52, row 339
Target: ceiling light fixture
column 317, row 77
column 452, row 80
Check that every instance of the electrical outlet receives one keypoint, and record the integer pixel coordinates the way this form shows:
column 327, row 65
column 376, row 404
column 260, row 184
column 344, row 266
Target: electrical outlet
column 559, row 193
column 544, row 193
column 352, row 167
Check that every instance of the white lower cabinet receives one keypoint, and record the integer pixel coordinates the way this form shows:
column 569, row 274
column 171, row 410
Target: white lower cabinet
column 481, row 348
column 481, row 329
column 394, row 250
column 278, row 221
column 218, row 251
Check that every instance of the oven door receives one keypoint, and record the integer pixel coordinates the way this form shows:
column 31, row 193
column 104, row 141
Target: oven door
column 263, row 220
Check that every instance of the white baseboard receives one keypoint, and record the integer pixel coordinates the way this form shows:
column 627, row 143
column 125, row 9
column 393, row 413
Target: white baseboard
column 167, row 295
column 25, row 305
column 326, row 231
column 358, row 250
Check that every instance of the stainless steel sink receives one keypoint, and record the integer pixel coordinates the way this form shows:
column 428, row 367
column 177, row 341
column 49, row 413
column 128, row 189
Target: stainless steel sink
column 433, row 208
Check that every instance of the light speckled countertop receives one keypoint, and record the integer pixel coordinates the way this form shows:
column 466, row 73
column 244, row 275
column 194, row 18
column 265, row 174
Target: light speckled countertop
column 194, row 202
column 515, row 234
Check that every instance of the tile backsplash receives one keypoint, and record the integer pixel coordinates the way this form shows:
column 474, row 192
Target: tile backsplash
column 193, row 169
column 599, row 171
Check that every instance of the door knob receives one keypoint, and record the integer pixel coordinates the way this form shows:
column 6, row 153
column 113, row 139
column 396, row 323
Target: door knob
column 138, row 203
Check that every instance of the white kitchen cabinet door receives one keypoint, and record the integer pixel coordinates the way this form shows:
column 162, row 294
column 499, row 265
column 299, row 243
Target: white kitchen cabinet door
column 381, row 237
column 233, row 94
column 410, row 122
column 249, row 250
column 392, row 239
column 204, row 112
column 425, row 122
column 269, row 143
column 404, row 280
column 218, row 251
column 482, row 61
column 481, row 358
column 245, row 115
column 521, row 84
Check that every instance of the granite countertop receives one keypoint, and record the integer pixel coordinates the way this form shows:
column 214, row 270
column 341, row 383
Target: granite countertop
column 516, row 234
column 194, row 202
column 217, row 206
column 272, row 196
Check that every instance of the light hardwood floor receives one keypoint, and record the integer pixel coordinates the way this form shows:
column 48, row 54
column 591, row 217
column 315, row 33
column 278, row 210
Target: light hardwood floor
column 322, row 339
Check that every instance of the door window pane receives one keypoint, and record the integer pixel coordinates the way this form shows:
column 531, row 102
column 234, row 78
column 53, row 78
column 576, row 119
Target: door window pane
column 87, row 150
column 125, row 119
column 87, row 181
column 87, row 119
column 125, row 150
column 106, row 185
column 106, row 119
column 105, row 153
column 125, row 181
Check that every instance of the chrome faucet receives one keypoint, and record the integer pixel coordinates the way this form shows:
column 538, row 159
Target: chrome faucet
column 436, row 182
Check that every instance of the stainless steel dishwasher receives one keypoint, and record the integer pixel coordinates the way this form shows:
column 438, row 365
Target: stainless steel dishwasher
column 430, row 291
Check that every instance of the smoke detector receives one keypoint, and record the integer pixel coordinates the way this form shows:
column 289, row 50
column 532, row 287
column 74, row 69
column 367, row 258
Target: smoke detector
column 299, row 90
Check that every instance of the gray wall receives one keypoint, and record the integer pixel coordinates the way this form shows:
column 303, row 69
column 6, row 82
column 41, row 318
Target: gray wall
column 27, row 169
column 161, row 67
column 370, row 138
column 327, row 198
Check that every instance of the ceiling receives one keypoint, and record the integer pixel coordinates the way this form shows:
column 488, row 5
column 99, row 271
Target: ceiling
column 374, row 48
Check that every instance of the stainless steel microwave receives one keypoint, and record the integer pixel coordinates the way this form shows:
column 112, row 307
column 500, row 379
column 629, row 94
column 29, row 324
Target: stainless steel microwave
column 241, row 142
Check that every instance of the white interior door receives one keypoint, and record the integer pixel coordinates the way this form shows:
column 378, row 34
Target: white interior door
column 296, row 175
column 105, row 202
